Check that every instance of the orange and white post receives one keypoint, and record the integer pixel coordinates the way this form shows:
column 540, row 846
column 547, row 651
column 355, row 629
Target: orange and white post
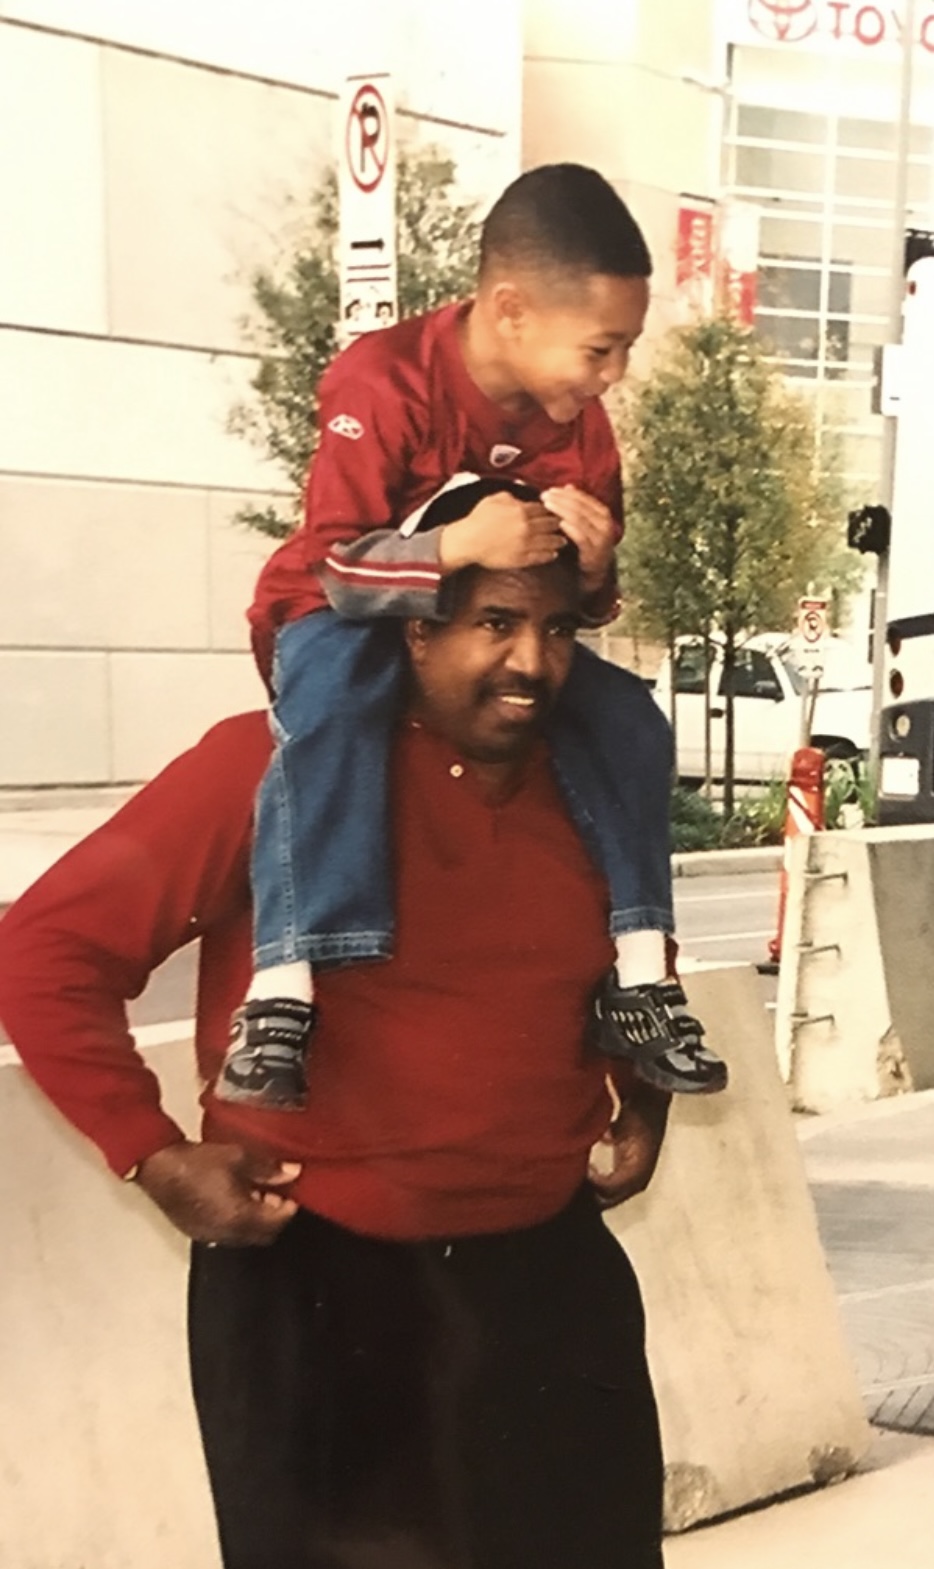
column 804, row 814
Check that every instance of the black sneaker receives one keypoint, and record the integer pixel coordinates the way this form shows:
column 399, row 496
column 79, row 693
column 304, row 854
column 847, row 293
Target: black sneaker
column 265, row 1061
column 650, row 1027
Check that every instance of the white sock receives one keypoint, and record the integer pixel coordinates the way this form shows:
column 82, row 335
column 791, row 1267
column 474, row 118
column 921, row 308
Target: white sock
column 283, row 980
column 640, row 958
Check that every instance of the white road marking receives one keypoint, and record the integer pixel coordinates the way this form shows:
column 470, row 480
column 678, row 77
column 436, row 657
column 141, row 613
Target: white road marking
column 713, row 898
column 692, row 942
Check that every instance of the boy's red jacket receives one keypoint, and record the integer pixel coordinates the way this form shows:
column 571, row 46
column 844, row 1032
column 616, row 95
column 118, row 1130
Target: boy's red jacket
column 398, row 416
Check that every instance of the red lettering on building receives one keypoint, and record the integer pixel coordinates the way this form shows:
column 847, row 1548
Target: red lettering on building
column 869, row 25
column 927, row 33
column 839, row 8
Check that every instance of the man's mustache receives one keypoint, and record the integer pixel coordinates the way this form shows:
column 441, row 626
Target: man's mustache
column 517, row 686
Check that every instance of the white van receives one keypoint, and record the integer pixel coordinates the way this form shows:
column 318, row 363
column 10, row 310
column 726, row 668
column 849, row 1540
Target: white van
column 768, row 686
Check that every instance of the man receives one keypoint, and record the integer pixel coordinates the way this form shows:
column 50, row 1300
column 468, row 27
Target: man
column 414, row 1344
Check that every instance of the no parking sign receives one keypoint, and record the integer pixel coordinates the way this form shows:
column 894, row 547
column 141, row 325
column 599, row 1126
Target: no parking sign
column 367, row 195
column 813, row 626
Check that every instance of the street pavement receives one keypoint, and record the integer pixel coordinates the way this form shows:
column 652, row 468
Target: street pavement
column 871, row 1172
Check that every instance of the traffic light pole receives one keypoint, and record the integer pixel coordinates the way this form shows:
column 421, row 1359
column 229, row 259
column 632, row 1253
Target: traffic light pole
column 890, row 427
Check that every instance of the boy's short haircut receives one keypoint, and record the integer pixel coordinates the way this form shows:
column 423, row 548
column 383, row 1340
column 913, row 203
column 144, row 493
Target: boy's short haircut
column 566, row 218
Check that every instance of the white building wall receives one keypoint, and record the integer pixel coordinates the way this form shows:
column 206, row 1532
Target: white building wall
column 629, row 87
column 152, row 155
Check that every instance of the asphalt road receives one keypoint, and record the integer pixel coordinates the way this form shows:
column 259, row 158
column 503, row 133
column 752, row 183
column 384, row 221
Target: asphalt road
column 718, row 918
column 727, row 917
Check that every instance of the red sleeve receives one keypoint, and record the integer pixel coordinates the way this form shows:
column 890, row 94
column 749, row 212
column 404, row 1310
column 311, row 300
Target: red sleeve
column 368, row 433
column 86, row 936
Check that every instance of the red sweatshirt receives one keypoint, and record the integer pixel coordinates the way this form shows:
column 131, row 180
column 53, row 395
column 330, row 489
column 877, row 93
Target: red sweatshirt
column 451, row 1087
column 398, row 416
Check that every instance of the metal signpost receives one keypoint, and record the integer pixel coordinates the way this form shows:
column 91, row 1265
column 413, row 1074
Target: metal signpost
column 813, row 630
column 367, row 201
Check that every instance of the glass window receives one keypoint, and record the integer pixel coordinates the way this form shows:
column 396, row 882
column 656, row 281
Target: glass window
column 753, row 675
column 790, row 237
column 690, row 669
column 881, row 136
column 792, row 337
column 867, row 245
column 786, row 287
column 770, row 168
column 780, row 125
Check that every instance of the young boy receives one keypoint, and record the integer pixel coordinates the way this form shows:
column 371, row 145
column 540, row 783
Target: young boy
column 505, row 387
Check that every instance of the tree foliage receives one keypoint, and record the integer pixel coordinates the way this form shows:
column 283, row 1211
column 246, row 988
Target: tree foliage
column 294, row 326
column 732, row 508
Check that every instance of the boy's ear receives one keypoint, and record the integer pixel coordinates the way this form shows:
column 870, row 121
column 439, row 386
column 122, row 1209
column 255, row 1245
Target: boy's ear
column 508, row 306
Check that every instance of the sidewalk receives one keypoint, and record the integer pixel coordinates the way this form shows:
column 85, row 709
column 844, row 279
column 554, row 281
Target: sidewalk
column 871, row 1171
column 883, row 1518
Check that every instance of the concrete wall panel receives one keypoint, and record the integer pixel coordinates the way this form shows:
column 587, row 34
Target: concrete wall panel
column 207, row 176
column 163, row 703
column 104, row 566
column 53, row 718
column 52, row 257
column 90, row 409
column 235, row 556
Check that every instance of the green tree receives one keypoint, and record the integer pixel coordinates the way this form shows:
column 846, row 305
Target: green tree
column 294, row 326
column 733, row 508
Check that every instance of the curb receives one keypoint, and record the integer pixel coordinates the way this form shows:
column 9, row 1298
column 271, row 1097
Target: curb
column 726, row 863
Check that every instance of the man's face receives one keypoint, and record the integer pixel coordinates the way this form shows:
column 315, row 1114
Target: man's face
column 570, row 344
column 486, row 679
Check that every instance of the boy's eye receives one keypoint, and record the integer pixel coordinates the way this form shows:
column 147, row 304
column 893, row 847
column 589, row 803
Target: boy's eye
column 597, row 354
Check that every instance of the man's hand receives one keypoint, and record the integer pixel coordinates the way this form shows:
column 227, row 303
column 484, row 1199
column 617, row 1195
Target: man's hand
column 624, row 1161
column 219, row 1193
column 590, row 525
column 502, row 534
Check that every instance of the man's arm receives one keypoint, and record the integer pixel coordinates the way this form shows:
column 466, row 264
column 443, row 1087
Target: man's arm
column 85, row 938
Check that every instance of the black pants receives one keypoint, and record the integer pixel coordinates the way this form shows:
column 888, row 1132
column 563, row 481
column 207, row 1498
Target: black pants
column 370, row 1405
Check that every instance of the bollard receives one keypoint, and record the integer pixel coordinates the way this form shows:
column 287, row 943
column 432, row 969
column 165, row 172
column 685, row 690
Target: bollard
column 804, row 814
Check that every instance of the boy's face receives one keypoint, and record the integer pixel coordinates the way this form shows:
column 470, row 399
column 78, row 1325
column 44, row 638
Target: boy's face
column 565, row 346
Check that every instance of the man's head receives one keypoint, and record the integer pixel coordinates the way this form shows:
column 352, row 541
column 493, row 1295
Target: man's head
column 486, row 678
column 563, row 281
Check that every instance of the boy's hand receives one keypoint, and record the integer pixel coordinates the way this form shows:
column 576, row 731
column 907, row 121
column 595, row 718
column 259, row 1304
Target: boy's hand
column 502, row 534
column 218, row 1193
column 590, row 525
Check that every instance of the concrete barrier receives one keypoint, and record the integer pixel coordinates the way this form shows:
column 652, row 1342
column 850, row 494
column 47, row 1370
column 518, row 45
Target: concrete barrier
column 856, row 986
column 100, row 1463
column 757, row 1391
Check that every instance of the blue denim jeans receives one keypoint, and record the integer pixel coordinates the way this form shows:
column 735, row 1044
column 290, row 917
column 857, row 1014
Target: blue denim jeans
column 322, row 882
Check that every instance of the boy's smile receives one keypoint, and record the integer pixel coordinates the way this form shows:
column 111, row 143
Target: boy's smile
column 560, row 343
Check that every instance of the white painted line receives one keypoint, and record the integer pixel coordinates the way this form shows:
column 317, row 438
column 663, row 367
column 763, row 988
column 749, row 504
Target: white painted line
column 885, row 1291
column 713, row 898
column 692, row 942
column 145, row 1035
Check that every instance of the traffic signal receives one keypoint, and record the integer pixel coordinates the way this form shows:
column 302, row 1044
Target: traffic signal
column 869, row 530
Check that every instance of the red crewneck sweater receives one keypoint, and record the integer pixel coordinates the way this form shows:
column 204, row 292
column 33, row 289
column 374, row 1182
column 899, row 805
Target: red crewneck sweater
column 452, row 1089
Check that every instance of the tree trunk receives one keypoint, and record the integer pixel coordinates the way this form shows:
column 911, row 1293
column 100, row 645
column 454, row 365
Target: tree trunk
column 708, row 758
column 729, row 746
column 673, row 694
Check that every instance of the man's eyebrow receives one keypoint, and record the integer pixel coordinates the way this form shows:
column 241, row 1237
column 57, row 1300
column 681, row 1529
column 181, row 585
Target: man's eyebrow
column 501, row 610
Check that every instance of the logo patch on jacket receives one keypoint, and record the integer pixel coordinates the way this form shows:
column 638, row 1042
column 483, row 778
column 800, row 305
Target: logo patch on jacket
column 346, row 425
column 502, row 454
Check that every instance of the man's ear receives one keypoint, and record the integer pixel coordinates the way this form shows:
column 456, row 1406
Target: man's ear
column 416, row 635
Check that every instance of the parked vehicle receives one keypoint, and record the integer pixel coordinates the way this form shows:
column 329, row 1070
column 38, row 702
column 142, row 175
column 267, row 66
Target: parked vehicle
column 906, row 778
column 768, row 687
